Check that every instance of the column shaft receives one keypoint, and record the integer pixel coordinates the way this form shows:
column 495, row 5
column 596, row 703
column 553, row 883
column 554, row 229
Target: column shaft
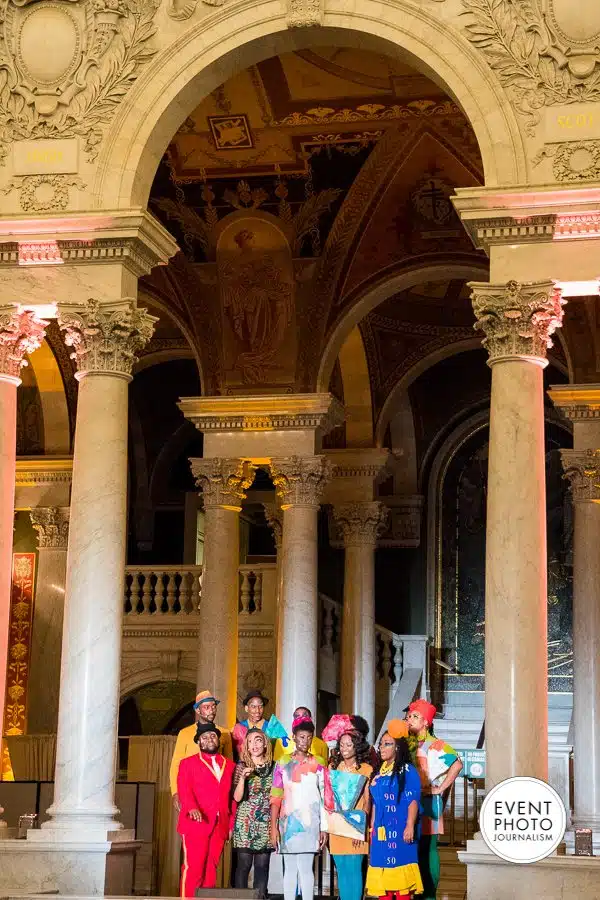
column 358, row 632
column 8, row 439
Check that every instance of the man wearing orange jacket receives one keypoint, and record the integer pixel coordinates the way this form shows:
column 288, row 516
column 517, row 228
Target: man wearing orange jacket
column 207, row 810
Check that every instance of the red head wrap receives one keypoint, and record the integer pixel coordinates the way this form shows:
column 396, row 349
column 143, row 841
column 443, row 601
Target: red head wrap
column 303, row 720
column 426, row 709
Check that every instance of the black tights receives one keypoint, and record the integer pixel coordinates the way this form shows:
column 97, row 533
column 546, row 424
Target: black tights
column 244, row 861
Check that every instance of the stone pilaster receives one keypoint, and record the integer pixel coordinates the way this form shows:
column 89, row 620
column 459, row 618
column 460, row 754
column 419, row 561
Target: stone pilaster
column 105, row 339
column 224, row 483
column 52, row 526
column 360, row 524
column 21, row 332
column 517, row 321
column 299, row 482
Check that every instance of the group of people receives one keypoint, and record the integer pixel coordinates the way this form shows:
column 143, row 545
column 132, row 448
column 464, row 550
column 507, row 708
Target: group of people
column 281, row 794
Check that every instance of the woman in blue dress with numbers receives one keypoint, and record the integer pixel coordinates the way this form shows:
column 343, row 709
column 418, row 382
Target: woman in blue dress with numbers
column 395, row 792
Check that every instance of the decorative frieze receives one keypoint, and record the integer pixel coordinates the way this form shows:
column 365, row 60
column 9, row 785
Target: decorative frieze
column 517, row 319
column 305, row 13
column 319, row 412
column 582, row 469
column 43, row 193
column 572, row 161
column 105, row 337
column 360, row 523
column 300, row 480
column 223, row 482
column 52, row 526
column 21, row 332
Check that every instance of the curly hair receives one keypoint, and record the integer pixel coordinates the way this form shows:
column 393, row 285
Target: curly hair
column 245, row 755
column 362, row 749
column 401, row 761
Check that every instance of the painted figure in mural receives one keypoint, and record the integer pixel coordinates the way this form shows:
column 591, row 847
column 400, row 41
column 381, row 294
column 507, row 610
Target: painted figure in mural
column 254, row 705
column 286, row 745
column 298, row 819
column 259, row 303
column 207, row 810
column 438, row 766
column 351, row 754
column 205, row 710
column 253, row 780
column 395, row 793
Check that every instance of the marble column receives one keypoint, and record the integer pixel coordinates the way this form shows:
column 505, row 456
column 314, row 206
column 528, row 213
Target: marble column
column 223, row 483
column 274, row 517
column 582, row 468
column 299, row 482
column 359, row 524
column 52, row 526
column 21, row 332
column 517, row 320
column 104, row 338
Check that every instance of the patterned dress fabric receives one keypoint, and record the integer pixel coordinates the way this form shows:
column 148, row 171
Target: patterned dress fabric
column 300, row 787
column 433, row 759
column 251, row 829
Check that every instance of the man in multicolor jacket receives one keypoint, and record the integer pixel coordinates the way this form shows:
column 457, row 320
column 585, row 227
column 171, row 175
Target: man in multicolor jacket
column 438, row 766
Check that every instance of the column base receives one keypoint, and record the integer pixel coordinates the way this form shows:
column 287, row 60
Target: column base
column 83, row 868
column 554, row 878
column 75, row 826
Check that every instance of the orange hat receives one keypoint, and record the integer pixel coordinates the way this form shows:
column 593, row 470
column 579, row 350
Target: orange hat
column 205, row 697
column 397, row 728
column 426, row 709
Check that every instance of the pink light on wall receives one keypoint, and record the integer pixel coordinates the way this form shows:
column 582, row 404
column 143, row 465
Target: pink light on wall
column 40, row 253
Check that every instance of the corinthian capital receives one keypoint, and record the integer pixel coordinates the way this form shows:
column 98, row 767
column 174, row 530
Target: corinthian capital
column 300, row 480
column 517, row 319
column 582, row 468
column 360, row 523
column 52, row 526
column 21, row 332
column 274, row 518
column 223, row 481
column 105, row 337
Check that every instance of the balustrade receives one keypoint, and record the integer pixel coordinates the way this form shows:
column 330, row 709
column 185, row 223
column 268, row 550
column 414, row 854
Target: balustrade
column 162, row 590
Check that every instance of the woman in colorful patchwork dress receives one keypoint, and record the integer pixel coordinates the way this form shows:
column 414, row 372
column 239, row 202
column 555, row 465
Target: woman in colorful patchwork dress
column 253, row 780
column 352, row 754
column 438, row 766
column 298, row 822
column 395, row 792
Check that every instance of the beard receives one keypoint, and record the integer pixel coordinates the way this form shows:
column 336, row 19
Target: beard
column 210, row 750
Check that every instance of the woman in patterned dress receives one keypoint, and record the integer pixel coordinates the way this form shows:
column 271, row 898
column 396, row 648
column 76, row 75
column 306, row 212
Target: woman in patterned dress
column 253, row 780
column 395, row 793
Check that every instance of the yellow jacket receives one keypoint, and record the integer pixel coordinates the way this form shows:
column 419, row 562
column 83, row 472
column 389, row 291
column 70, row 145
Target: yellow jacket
column 185, row 746
column 318, row 748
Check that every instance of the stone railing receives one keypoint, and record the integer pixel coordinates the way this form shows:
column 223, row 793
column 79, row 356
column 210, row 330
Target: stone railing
column 257, row 590
column 162, row 590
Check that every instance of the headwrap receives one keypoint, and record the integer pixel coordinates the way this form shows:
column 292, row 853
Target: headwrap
column 205, row 697
column 205, row 728
column 426, row 709
column 397, row 728
column 250, row 696
column 337, row 726
column 303, row 722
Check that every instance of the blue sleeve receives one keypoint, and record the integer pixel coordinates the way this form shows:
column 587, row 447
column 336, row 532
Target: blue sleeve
column 412, row 784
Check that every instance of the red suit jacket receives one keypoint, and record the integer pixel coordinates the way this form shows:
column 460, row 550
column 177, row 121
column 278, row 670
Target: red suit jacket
column 199, row 788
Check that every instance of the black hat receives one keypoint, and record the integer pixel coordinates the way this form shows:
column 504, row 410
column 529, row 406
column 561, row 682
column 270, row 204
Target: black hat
column 205, row 728
column 250, row 696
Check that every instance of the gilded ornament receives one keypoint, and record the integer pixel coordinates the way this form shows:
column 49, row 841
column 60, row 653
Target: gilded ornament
column 582, row 470
column 99, row 47
column 300, row 480
column 517, row 319
column 223, row 481
column 538, row 51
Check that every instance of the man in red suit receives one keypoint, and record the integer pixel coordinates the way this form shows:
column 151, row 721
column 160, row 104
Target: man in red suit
column 207, row 810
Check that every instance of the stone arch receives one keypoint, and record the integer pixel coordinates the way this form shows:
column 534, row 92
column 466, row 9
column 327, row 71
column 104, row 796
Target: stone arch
column 358, row 401
column 55, row 411
column 405, row 277
column 241, row 34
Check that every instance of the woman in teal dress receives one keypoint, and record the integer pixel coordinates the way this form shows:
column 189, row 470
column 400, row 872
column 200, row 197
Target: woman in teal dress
column 395, row 793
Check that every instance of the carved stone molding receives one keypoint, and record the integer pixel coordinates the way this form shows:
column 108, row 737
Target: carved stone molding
column 186, row 10
column 320, row 412
column 105, row 337
column 530, row 47
column 224, row 482
column 52, row 526
column 21, row 332
column 43, row 193
column 274, row 517
column 582, row 469
column 100, row 48
column 572, row 161
column 486, row 232
column 300, row 480
column 577, row 402
column 517, row 319
column 360, row 523
column 401, row 525
column 304, row 13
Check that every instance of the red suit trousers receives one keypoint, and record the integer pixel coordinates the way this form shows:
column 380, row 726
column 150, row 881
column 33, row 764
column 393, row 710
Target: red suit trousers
column 202, row 852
